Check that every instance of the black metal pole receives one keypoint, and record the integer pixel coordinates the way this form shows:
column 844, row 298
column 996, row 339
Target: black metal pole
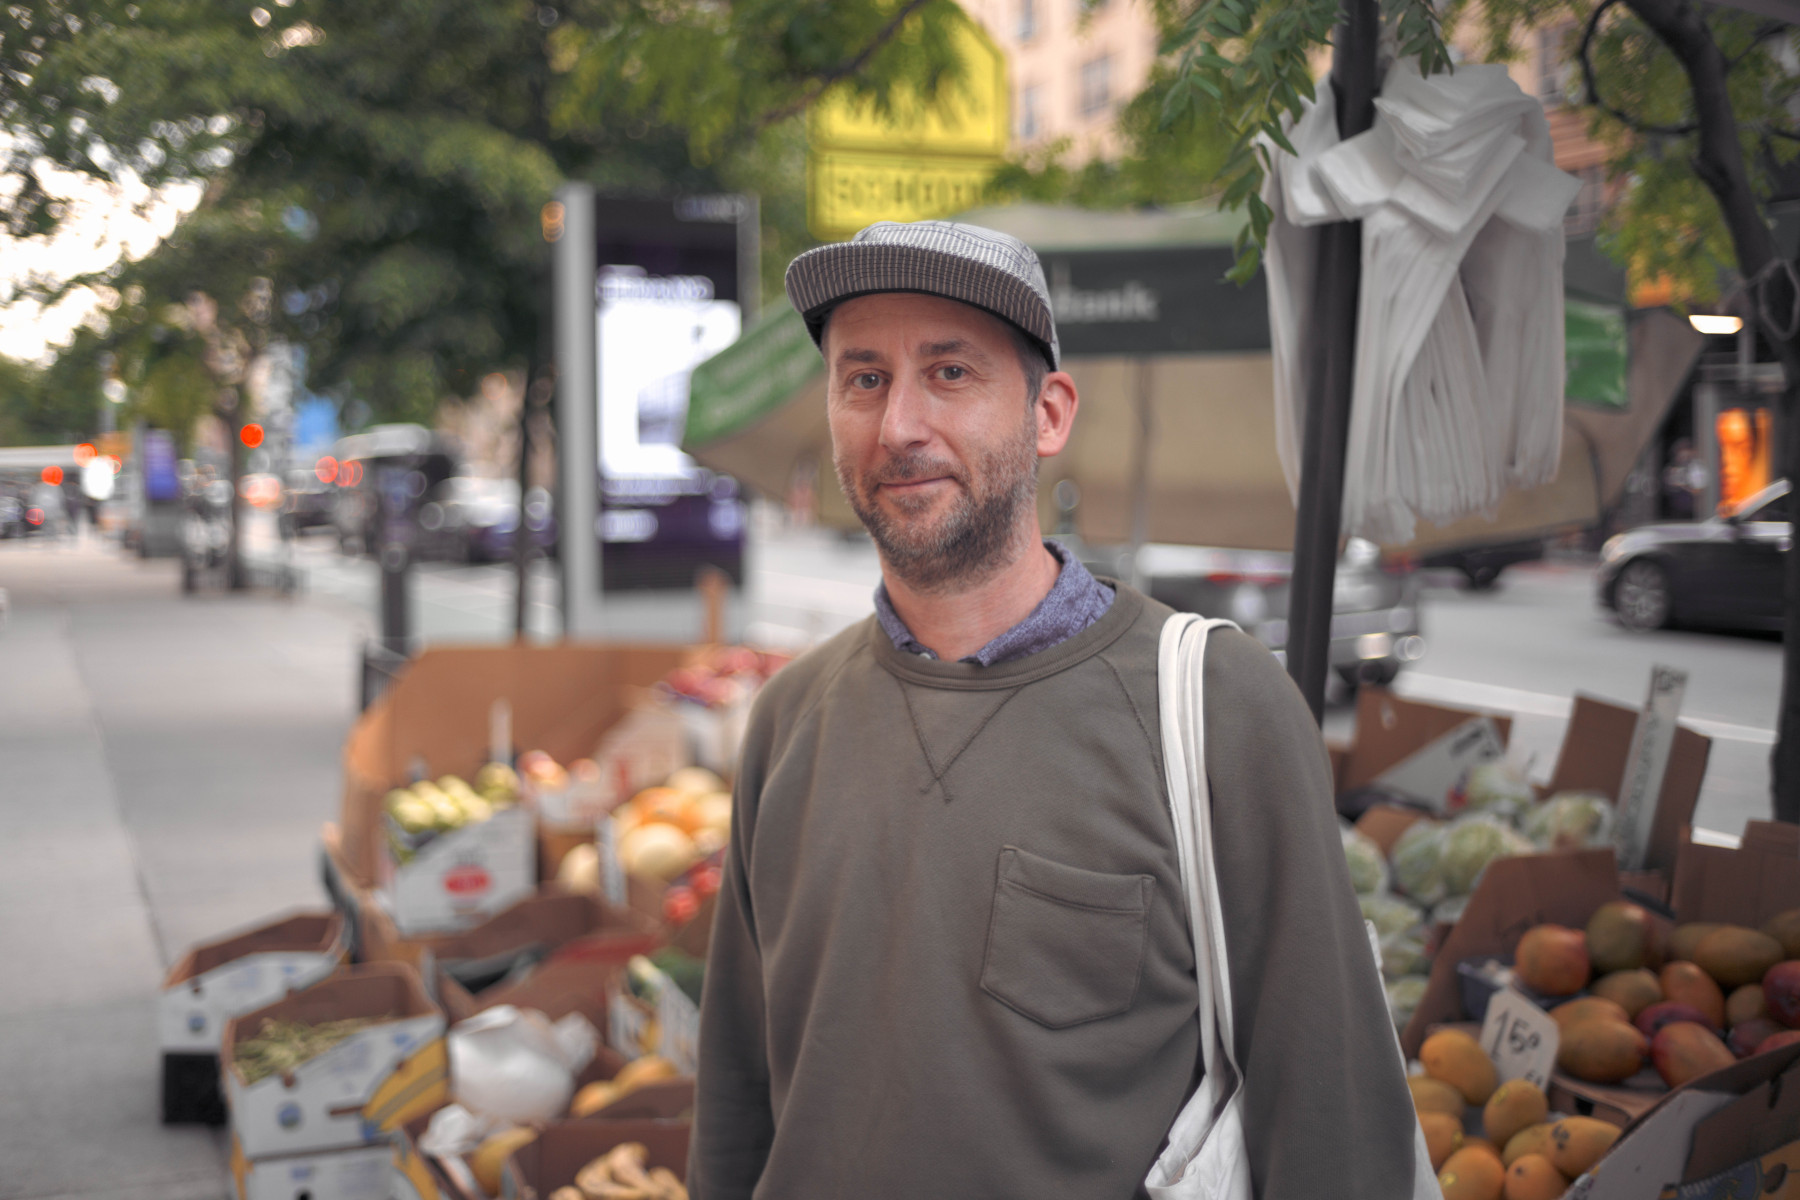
column 1320, row 514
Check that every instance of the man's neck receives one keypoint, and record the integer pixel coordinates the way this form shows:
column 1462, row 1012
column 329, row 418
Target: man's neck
column 954, row 623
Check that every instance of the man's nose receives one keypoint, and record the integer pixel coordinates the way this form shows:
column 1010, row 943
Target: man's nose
column 905, row 421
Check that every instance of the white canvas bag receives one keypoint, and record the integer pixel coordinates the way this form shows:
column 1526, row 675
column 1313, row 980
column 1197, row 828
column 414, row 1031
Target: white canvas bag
column 1206, row 1158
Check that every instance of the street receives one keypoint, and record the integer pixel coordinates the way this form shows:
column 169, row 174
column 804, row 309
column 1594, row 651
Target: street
column 170, row 761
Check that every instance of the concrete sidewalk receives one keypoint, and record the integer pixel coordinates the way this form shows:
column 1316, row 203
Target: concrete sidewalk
column 165, row 764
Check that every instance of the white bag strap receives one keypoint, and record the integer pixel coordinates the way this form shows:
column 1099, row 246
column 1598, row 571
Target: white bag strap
column 1180, row 678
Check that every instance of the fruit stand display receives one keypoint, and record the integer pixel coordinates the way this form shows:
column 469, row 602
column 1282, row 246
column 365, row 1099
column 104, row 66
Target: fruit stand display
column 1634, row 1011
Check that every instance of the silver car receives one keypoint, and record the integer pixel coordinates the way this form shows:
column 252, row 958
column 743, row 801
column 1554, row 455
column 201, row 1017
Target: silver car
column 1375, row 600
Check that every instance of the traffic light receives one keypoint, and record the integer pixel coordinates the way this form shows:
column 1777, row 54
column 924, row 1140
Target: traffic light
column 252, row 435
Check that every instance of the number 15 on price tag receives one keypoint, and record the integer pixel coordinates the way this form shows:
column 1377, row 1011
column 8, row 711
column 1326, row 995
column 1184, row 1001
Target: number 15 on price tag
column 1520, row 1037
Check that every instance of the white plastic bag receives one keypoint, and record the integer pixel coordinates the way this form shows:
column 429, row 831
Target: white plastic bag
column 514, row 1065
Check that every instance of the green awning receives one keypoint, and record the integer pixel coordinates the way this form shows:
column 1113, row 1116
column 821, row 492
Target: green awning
column 750, row 378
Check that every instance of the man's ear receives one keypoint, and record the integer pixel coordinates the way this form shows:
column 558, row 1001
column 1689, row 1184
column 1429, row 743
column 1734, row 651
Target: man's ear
column 1056, row 406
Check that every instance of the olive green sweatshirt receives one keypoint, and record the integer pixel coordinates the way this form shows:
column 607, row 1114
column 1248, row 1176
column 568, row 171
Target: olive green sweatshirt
column 951, row 958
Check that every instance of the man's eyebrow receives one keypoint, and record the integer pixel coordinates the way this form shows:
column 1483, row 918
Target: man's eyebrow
column 859, row 356
column 951, row 346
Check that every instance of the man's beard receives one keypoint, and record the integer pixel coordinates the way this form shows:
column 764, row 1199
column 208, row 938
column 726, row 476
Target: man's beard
column 969, row 542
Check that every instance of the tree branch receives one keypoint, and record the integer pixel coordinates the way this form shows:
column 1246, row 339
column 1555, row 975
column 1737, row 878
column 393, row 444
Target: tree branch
column 843, row 70
column 1762, row 35
column 1591, row 85
column 1719, row 160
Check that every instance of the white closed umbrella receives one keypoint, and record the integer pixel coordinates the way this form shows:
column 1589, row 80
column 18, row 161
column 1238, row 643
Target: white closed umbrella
column 1458, row 388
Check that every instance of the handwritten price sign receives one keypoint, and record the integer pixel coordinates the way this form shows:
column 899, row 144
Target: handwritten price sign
column 1520, row 1037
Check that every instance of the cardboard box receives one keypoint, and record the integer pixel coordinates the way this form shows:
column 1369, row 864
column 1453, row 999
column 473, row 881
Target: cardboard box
column 459, row 878
column 1390, row 728
column 242, row 971
column 216, row 981
column 1513, row 895
column 1722, row 1123
column 554, row 1159
column 355, row 1092
column 1593, row 758
column 436, row 715
column 1745, row 886
column 667, row 1023
column 588, row 939
column 589, row 943
column 360, row 1173
column 418, row 1174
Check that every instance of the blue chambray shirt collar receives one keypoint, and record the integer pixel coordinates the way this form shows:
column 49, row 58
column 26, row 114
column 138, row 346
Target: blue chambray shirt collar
column 1075, row 602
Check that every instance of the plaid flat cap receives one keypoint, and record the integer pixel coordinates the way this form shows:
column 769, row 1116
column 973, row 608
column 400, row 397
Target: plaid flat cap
column 990, row 270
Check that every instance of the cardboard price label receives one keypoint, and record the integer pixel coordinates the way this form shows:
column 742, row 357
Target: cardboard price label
column 1520, row 1037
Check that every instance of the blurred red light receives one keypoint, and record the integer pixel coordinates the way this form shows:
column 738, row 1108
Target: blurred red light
column 84, row 454
column 252, row 435
column 52, row 476
column 34, row 516
column 117, row 463
column 349, row 474
column 327, row 469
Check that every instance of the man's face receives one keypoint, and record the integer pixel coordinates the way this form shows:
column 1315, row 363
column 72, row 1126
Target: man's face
column 934, row 442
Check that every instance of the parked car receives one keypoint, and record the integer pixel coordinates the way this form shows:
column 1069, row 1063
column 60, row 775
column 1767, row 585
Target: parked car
column 12, row 516
column 428, row 461
column 1723, row 572
column 1375, row 601
column 307, row 500
column 1481, row 565
column 476, row 519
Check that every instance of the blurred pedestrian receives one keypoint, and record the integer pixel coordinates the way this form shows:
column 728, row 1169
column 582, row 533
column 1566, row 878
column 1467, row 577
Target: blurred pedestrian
column 1684, row 481
column 952, row 956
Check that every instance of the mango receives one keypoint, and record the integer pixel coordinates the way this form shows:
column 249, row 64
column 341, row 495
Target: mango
column 1443, row 1136
column 1686, row 938
column 1786, row 1037
column 1781, row 993
column 1515, row 1104
column 1747, row 1037
column 1686, row 983
column 1480, row 1143
column 1784, row 927
column 1634, row 991
column 1458, row 1059
column 1601, row 1051
column 1533, row 1139
column 1652, row 1019
column 1685, row 1051
column 1533, row 1177
column 1746, row 1004
column 1472, row 1174
column 1621, row 937
column 1434, row 1095
column 1734, row 956
column 1552, row 960
column 1577, row 1143
column 1588, row 1008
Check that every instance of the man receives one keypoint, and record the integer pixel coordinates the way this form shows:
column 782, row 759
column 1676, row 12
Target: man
column 951, row 958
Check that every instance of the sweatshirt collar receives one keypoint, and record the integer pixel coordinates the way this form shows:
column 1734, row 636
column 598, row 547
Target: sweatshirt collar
column 1074, row 602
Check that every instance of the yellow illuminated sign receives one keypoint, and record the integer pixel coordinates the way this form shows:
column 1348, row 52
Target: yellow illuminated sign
column 921, row 160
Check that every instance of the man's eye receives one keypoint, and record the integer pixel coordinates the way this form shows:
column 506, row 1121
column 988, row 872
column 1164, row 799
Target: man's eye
column 868, row 381
column 954, row 373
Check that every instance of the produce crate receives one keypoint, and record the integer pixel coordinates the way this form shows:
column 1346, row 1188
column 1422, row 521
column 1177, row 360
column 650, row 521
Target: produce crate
column 218, row 980
column 554, row 1159
column 354, row 1093
column 359, row 1173
column 563, row 699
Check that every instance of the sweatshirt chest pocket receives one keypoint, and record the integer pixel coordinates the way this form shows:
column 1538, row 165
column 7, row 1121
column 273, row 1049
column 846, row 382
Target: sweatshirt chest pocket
column 1065, row 945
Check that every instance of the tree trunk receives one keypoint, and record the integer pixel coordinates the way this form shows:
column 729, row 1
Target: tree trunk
column 1721, row 167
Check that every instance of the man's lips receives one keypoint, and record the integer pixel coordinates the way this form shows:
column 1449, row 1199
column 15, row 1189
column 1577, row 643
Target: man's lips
column 909, row 486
